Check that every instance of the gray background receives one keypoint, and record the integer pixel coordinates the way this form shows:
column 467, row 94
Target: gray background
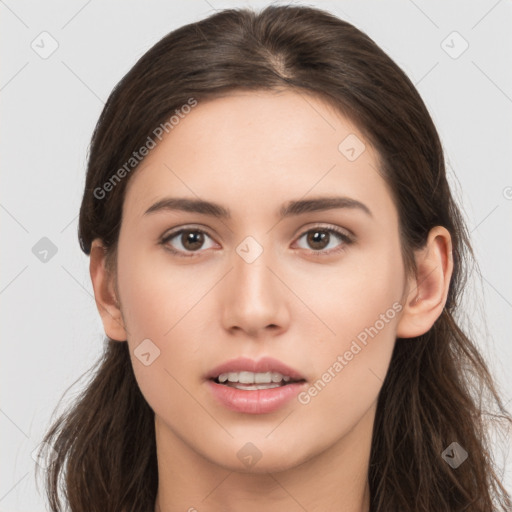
column 51, row 331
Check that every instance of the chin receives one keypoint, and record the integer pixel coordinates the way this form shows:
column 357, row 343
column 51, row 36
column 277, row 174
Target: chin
column 261, row 457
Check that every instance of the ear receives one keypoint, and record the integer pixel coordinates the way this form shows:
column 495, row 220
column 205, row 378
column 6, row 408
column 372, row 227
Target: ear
column 105, row 293
column 427, row 291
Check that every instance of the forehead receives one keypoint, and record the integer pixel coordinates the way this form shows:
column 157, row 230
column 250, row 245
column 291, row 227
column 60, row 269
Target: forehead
column 254, row 146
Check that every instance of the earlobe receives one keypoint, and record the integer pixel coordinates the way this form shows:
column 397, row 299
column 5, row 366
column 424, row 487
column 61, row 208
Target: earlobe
column 105, row 294
column 427, row 292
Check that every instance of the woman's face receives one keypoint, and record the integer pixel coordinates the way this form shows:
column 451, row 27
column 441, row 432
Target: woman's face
column 263, row 274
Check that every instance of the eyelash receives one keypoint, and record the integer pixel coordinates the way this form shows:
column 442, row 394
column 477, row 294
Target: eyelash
column 347, row 240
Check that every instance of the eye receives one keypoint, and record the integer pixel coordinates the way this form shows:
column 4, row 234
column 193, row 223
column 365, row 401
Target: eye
column 322, row 240
column 188, row 240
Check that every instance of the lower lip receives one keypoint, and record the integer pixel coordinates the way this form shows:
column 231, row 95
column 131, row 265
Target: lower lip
column 257, row 401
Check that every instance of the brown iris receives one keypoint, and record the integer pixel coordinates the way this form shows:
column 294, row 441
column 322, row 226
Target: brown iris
column 192, row 240
column 316, row 237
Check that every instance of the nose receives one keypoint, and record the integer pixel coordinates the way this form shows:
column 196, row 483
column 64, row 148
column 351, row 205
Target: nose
column 255, row 301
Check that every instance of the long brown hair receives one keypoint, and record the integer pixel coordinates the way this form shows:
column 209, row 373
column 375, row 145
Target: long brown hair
column 437, row 386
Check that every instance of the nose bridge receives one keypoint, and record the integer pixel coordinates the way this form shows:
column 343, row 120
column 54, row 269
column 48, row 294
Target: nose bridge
column 252, row 277
column 255, row 298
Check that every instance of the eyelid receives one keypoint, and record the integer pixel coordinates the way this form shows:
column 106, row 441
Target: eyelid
column 328, row 227
column 185, row 227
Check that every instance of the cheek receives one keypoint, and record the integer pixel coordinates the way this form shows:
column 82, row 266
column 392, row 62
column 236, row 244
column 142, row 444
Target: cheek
column 155, row 293
column 350, row 369
column 360, row 304
column 162, row 309
column 356, row 293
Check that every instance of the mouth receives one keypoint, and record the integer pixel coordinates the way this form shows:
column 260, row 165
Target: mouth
column 245, row 373
column 254, row 387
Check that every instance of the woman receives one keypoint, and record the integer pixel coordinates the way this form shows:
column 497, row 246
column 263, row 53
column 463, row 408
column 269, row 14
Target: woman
column 277, row 261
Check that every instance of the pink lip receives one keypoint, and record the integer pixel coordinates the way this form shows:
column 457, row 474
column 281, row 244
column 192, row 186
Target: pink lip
column 265, row 364
column 258, row 401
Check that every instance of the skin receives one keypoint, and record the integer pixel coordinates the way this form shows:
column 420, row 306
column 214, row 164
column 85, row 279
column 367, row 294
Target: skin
column 251, row 152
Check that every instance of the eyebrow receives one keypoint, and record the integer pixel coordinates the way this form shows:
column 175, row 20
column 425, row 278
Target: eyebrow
column 289, row 209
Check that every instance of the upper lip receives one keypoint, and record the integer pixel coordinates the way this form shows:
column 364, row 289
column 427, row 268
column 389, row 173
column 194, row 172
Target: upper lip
column 263, row 365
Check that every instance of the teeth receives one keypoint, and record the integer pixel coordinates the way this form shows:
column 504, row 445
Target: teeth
column 260, row 378
column 252, row 378
column 233, row 377
column 245, row 378
column 276, row 377
column 252, row 387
